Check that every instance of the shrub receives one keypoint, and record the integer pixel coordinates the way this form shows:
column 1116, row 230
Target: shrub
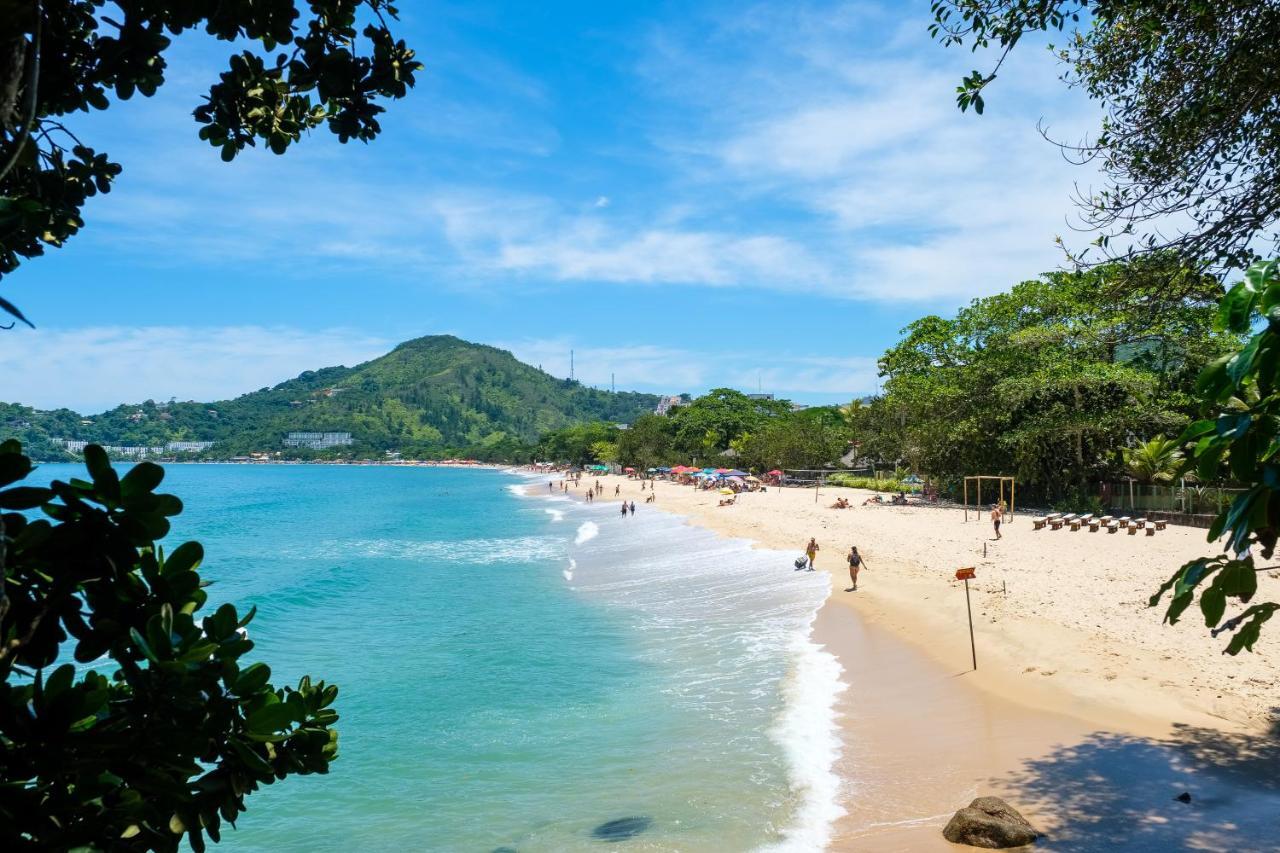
column 168, row 731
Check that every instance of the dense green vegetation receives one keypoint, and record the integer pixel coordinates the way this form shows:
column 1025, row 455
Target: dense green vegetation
column 1049, row 382
column 1238, row 437
column 161, row 729
column 725, row 428
column 430, row 396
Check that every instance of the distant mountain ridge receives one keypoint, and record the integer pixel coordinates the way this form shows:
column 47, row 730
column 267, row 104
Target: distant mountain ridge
column 427, row 396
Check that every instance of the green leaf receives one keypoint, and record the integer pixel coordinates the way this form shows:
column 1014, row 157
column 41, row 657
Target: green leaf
column 141, row 479
column 12, row 310
column 25, row 497
column 1236, row 308
column 104, row 476
column 1247, row 634
column 252, row 679
column 270, row 719
column 185, row 558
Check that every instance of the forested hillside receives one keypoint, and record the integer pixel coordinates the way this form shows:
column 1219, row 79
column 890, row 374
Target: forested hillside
column 428, row 396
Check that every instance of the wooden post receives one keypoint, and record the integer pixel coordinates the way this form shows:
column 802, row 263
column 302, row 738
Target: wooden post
column 966, row 575
column 1013, row 493
column 966, row 498
column 973, row 647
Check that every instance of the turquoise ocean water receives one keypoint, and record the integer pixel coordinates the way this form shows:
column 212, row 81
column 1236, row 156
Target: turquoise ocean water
column 517, row 669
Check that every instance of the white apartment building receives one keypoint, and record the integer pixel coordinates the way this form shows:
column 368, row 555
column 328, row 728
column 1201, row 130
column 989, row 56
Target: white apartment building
column 318, row 440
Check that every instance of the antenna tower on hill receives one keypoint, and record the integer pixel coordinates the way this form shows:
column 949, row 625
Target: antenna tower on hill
column 570, row 365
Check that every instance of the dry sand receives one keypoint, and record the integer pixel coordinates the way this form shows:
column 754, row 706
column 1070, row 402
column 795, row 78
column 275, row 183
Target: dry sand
column 1085, row 712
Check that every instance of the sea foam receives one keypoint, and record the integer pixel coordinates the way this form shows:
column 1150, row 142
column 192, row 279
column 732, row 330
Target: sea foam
column 587, row 531
column 733, row 626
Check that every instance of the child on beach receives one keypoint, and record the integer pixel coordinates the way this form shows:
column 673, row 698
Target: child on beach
column 855, row 565
column 811, row 551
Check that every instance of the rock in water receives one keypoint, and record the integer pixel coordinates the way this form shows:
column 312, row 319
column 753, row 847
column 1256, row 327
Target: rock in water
column 989, row 822
column 622, row 828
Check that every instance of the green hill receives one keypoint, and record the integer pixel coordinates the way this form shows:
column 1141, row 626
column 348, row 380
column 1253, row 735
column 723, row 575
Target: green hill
column 429, row 396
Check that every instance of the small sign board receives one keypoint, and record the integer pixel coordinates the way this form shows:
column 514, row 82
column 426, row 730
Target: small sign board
column 965, row 574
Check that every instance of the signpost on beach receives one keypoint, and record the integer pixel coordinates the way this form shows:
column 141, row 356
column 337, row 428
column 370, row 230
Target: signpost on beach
column 965, row 575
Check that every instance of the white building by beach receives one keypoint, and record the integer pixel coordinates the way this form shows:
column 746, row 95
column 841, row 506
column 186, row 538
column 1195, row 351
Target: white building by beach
column 318, row 440
column 188, row 446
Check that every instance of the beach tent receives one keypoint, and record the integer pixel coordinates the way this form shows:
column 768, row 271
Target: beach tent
column 734, row 472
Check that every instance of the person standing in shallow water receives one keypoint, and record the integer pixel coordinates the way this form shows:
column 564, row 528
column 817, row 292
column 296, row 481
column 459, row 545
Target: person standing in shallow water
column 856, row 564
column 811, row 551
column 633, row 507
column 624, row 509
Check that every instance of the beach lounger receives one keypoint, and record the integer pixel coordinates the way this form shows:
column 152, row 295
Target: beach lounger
column 1124, row 522
column 1094, row 525
column 1106, row 519
column 1140, row 523
column 1160, row 525
column 1133, row 529
column 1151, row 531
column 1113, row 527
column 1038, row 523
column 1075, row 524
column 1055, row 524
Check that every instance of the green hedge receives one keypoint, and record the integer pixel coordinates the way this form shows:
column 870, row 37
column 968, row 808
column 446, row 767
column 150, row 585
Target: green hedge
column 869, row 483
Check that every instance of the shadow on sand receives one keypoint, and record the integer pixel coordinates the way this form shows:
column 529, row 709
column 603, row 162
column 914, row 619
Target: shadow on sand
column 1117, row 792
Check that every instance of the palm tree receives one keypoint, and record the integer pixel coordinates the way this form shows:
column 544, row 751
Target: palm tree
column 1157, row 461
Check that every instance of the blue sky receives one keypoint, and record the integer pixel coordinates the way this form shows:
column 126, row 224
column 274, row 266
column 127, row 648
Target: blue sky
column 688, row 195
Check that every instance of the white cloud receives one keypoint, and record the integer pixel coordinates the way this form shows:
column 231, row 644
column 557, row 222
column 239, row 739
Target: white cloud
column 645, row 367
column 94, row 369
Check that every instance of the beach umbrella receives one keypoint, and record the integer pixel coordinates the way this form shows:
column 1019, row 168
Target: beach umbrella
column 734, row 472
column 775, row 473
column 709, row 470
column 628, row 470
column 735, row 479
column 726, row 491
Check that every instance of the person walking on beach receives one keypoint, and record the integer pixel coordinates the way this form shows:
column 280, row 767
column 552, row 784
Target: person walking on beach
column 855, row 565
column 617, row 490
column 811, row 551
column 995, row 518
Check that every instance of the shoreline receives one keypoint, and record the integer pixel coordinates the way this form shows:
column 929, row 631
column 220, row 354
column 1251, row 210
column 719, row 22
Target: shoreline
column 1042, row 692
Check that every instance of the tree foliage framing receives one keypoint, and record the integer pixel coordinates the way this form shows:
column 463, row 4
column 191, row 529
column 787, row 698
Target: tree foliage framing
column 169, row 730
column 1191, row 98
column 61, row 57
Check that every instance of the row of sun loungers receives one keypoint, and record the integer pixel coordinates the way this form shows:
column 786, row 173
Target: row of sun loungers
column 1112, row 524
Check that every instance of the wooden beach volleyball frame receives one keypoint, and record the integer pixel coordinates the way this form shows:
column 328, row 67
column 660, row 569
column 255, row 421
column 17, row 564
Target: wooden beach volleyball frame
column 978, row 478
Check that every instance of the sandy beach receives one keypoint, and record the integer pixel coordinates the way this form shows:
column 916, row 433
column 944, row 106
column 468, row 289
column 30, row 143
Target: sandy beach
column 1085, row 711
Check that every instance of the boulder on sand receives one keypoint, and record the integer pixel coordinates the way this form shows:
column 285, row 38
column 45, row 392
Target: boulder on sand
column 989, row 822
